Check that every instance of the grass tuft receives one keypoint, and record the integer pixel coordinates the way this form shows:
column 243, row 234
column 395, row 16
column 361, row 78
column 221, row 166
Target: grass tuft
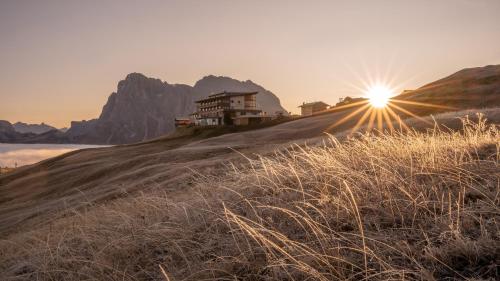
column 412, row 206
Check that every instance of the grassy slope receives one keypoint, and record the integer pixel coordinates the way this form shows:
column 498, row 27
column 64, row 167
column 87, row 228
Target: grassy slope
column 4, row 170
column 81, row 177
column 477, row 87
column 35, row 193
column 33, row 196
column 76, row 179
column 413, row 207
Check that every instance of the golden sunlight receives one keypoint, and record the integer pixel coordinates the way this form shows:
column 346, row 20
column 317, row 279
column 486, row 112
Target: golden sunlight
column 380, row 108
column 379, row 95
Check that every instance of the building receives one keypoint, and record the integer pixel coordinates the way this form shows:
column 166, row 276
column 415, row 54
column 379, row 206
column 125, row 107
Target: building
column 228, row 108
column 308, row 109
column 182, row 122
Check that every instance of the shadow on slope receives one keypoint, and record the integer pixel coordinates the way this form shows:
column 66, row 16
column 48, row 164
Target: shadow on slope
column 80, row 178
column 417, row 206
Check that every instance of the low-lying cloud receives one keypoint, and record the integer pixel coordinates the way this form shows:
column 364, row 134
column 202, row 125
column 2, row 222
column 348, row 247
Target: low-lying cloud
column 12, row 155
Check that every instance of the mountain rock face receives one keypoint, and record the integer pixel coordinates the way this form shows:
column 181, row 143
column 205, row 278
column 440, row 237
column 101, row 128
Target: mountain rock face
column 32, row 128
column 7, row 132
column 266, row 100
column 6, row 127
column 143, row 108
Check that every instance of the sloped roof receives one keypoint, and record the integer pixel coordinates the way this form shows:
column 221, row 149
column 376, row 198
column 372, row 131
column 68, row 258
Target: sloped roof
column 227, row 94
column 230, row 94
column 313, row 104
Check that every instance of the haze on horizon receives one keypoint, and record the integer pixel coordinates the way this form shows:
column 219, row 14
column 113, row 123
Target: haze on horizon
column 60, row 60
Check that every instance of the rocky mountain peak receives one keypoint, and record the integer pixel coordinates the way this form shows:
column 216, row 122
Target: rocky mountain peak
column 266, row 100
column 136, row 76
column 143, row 108
column 138, row 82
column 22, row 127
column 210, row 80
column 5, row 126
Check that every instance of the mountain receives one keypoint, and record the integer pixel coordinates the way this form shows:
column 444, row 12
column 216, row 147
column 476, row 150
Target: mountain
column 266, row 100
column 476, row 87
column 8, row 134
column 32, row 128
column 6, row 127
column 143, row 108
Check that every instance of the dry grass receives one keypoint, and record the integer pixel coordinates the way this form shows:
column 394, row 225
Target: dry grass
column 4, row 170
column 418, row 206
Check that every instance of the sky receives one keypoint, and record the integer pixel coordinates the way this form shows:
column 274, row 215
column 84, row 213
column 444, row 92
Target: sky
column 60, row 60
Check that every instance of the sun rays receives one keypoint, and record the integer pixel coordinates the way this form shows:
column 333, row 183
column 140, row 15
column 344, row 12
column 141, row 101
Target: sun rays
column 380, row 107
column 378, row 110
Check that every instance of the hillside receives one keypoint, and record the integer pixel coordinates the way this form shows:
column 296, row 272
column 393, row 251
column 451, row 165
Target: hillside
column 418, row 206
column 476, row 87
column 235, row 204
column 96, row 174
column 92, row 175
column 144, row 108
column 99, row 174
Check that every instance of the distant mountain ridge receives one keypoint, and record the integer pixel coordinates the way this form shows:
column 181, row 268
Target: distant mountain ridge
column 32, row 128
column 143, row 108
column 8, row 134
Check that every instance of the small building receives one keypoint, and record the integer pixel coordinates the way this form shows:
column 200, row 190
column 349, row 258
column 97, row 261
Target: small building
column 228, row 108
column 182, row 122
column 308, row 109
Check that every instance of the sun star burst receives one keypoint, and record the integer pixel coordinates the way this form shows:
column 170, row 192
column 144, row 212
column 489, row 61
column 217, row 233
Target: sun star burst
column 380, row 107
column 379, row 95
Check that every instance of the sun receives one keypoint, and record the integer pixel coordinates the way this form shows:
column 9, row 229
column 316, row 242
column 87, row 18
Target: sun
column 379, row 107
column 379, row 95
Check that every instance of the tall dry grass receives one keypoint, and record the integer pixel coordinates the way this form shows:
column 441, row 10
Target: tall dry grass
column 413, row 206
